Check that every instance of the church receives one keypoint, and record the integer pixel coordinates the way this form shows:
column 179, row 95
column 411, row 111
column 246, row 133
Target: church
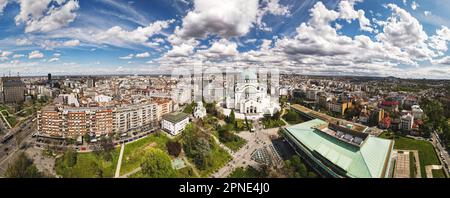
column 250, row 97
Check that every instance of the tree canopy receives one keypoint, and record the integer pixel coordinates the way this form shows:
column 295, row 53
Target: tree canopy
column 157, row 164
column 23, row 167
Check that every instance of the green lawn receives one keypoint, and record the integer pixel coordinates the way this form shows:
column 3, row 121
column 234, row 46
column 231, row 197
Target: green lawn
column 89, row 165
column 221, row 157
column 427, row 154
column 134, row 152
column 236, row 144
column 438, row 173
column 272, row 123
column 242, row 126
column 186, row 172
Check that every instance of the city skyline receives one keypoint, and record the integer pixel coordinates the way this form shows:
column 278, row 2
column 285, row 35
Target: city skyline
column 401, row 38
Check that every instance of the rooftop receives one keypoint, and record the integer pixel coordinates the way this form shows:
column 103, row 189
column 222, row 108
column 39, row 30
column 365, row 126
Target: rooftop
column 175, row 117
column 369, row 160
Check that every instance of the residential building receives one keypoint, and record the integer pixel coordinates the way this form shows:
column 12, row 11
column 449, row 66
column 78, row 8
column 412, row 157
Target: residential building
column 406, row 122
column 13, row 90
column 174, row 123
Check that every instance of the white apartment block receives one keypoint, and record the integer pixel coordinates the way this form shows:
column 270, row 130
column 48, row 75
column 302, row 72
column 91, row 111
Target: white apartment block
column 174, row 123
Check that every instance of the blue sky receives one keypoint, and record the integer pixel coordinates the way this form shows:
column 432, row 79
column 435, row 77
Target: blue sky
column 355, row 37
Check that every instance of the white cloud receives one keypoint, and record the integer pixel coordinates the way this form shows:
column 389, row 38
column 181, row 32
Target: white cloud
column 404, row 31
column 54, row 59
column 143, row 55
column 225, row 18
column 414, row 5
column 35, row 55
column 56, row 54
column 72, row 43
column 16, row 56
column 427, row 13
column 130, row 56
column 182, row 50
column 23, row 42
column 219, row 50
column 4, row 55
column 3, row 4
column 442, row 61
column 118, row 36
column 348, row 12
column 440, row 40
column 270, row 7
column 38, row 16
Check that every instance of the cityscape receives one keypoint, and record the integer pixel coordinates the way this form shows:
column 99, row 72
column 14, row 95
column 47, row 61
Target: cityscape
column 224, row 89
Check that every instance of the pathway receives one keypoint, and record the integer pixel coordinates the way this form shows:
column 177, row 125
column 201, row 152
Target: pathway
column 131, row 173
column 429, row 169
column 119, row 162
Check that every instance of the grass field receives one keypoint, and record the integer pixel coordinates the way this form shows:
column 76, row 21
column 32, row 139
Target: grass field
column 427, row 155
column 236, row 144
column 134, row 152
column 90, row 165
column 438, row 173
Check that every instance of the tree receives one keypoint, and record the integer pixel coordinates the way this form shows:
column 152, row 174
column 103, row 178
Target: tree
column 174, row 148
column 292, row 116
column 297, row 169
column 70, row 158
column 104, row 148
column 23, row 167
column 232, row 117
column 157, row 164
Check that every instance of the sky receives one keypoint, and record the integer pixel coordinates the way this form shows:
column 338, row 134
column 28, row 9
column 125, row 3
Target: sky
column 402, row 38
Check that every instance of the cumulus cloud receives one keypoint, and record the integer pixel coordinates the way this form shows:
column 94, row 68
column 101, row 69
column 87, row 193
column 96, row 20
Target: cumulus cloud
column 440, row 40
column 39, row 16
column 143, row 55
column 348, row 12
column 404, row 31
column 35, row 55
column 182, row 50
column 117, row 35
column 225, row 18
column 272, row 7
column 220, row 49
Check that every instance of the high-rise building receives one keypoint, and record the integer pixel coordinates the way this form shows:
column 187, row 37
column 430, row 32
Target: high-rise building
column 49, row 77
column 13, row 90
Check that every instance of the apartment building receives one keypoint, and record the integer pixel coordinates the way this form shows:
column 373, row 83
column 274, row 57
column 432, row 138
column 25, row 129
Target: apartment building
column 134, row 117
column 72, row 122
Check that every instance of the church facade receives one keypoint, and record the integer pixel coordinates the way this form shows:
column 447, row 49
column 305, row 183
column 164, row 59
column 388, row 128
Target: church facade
column 251, row 97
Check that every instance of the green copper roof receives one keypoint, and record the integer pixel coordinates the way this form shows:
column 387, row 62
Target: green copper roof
column 366, row 161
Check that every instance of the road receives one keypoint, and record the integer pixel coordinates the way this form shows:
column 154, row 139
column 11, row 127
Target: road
column 8, row 151
column 442, row 153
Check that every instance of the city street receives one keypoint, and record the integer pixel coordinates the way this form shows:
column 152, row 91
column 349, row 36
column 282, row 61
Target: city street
column 442, row 153
column 8, row 151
